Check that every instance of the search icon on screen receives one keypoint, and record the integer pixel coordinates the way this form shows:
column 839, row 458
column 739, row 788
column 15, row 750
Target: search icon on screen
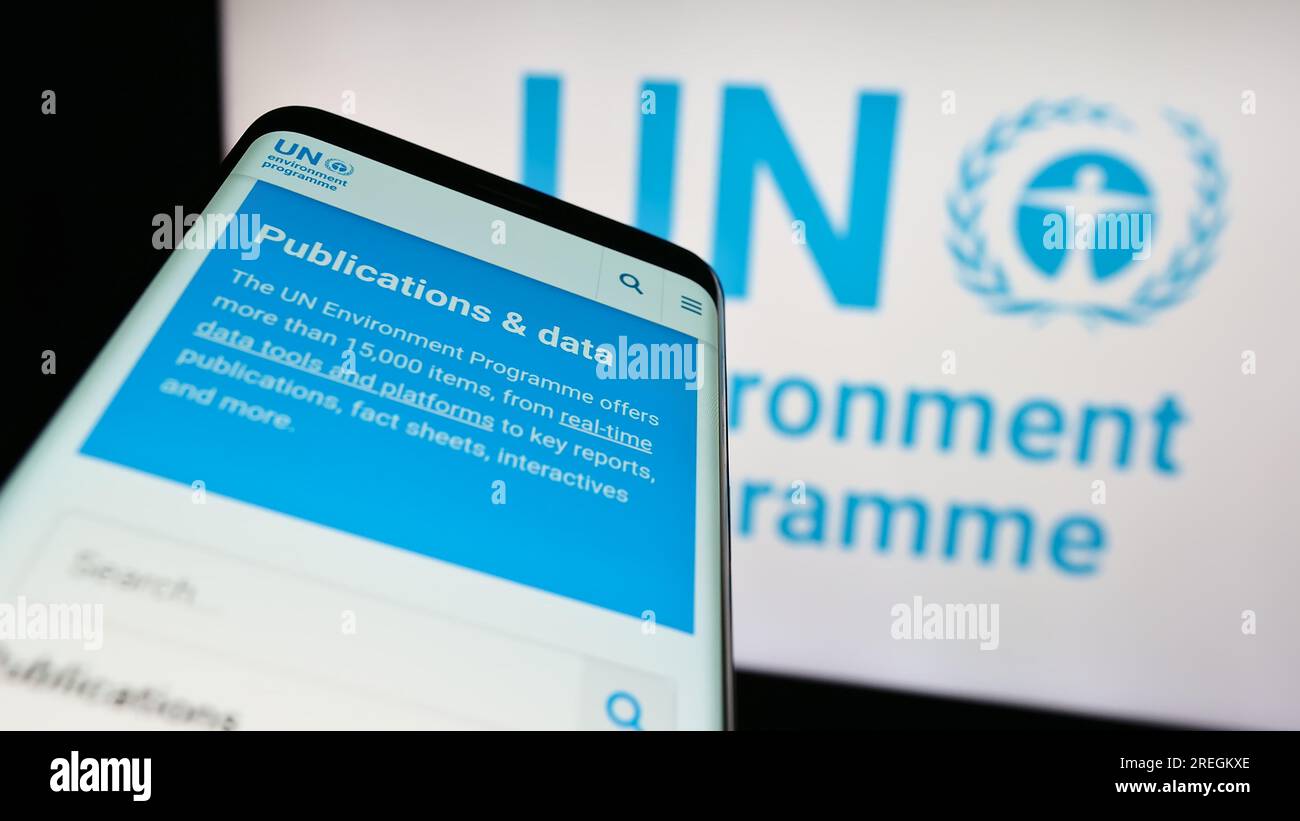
column 623, row 709
column 631, row 281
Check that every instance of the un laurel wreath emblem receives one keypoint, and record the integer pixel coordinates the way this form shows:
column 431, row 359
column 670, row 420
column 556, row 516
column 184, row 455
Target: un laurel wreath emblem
column 1118, row 196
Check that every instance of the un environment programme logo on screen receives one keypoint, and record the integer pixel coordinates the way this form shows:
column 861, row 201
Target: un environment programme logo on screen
column 1087, row 234
column 753, row 139
column 1051, row 213
column 302, row 162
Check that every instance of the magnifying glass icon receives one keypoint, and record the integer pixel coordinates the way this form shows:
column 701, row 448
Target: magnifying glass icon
column 631, row 281
column 623, row 709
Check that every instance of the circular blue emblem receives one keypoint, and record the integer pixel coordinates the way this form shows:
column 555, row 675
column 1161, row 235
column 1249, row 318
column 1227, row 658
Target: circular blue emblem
column 1087, row 216
column 337, row 166
column 1090, row 211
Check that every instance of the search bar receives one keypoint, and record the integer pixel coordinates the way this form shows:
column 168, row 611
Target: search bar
column 268, row 620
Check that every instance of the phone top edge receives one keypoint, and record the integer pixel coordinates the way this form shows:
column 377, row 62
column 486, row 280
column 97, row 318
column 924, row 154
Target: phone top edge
column 504, row 193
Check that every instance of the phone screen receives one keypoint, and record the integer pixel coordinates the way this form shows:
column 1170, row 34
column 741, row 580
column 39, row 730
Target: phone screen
column 371, row 452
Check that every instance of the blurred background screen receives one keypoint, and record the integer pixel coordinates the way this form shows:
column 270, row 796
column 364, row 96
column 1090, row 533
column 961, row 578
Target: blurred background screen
column 1009, row 312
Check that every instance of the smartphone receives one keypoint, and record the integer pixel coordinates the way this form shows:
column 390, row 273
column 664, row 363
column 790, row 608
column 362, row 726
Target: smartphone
column 388, row 442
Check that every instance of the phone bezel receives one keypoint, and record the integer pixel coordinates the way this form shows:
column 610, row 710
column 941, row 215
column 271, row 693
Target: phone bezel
column 528, row 202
